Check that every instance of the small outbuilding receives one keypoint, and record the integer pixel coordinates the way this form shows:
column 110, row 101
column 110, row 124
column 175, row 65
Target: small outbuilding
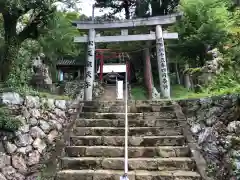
column 70, row 69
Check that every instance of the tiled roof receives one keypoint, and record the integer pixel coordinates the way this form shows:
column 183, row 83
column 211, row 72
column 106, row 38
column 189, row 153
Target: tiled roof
column 70, row 62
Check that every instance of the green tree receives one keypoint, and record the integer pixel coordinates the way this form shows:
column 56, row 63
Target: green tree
column 159, row 7
column 163, row 7
column 117, row 6
column 1, row 37
column 58, row 40
column 233, row 44
column 39, row 12
column 204, row 24
column 58, row 43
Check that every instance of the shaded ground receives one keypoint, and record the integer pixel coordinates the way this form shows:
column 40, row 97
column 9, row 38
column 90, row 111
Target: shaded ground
column 139, row 92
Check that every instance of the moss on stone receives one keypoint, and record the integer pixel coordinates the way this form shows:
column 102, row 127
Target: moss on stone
column 192, row 71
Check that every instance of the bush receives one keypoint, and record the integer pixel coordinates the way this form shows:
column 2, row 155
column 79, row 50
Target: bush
column 226, row 80
column 8, row 122
column 139, row 93
column 20, row 73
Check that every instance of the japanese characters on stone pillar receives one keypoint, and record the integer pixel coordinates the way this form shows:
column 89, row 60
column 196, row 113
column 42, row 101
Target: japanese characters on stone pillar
column 162, row 64
column 90, row 65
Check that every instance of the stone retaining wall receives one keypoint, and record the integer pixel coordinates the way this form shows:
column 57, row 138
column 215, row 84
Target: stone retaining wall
column 215, row 124
column 26, row 152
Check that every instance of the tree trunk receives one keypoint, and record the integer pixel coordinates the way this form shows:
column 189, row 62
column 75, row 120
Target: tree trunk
column 126, row 6
column 11, row 49
column 11, row 46
column 202, row 56
column 177, row 73
column 137, row 11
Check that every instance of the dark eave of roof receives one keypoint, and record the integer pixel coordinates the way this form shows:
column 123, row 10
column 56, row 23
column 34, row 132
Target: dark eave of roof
column 70, row 62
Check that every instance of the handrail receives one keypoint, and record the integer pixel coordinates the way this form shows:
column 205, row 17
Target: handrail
column 126, row 124
column 125, row 175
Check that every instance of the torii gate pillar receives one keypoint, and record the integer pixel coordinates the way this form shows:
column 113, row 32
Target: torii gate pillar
column 90, row 65
column 162, row 64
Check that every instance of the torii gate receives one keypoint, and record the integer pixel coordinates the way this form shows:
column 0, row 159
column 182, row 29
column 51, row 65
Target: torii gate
column 100, row 55
column 159, row 35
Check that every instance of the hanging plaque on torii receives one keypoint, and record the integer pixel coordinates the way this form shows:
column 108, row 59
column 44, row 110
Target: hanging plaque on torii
column 124, row 25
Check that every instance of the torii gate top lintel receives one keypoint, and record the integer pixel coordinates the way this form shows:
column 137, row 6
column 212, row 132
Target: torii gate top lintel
column 151, row 21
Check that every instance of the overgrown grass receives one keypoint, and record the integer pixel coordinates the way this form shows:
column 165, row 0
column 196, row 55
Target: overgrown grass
column 178, row 92
column 7, row 121
column 26, row 90
column 139, row 93
column 53, row 96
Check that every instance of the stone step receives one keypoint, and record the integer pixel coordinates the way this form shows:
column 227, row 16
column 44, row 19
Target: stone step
column 133, row 152
column 111, row 109
column 172, row 163
column 133, row 131
column 131, row 116
column 131, row 108
column 131, row 123
column 90, row 109
column 162, row 102
column 132, row 141
column 105, row 103
column 138, row 103
column 94, row 115
column 154, row 108
column 160, row 115
column 132, row 175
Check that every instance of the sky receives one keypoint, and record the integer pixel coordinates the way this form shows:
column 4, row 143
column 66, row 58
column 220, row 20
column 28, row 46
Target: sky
column 86, row 8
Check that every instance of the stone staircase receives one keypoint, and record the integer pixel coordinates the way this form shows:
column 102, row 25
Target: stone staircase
column 157, row 147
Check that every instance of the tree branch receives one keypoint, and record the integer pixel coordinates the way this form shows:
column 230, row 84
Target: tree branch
column 33, row 27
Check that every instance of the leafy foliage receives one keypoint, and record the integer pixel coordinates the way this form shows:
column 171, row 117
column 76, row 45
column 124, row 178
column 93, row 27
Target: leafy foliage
column 233, row 43
column 139, row 8
column 226, row 80
column 7, row 122
column 58, row 41
column 21, row 73
column 204, row 24
column 23, row 20
column 163, row 7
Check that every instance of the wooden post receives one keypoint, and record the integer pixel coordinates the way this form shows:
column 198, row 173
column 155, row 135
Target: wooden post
column 101, row 66
column 162, row 64
column 148, row 70
column 89, row 76
column 128, row 72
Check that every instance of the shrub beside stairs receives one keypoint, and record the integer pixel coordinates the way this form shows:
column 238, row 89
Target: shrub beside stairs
column 157, row 147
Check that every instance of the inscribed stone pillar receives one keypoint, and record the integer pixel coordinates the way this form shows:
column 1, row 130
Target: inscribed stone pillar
column 162, row 64
column 89, row 75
